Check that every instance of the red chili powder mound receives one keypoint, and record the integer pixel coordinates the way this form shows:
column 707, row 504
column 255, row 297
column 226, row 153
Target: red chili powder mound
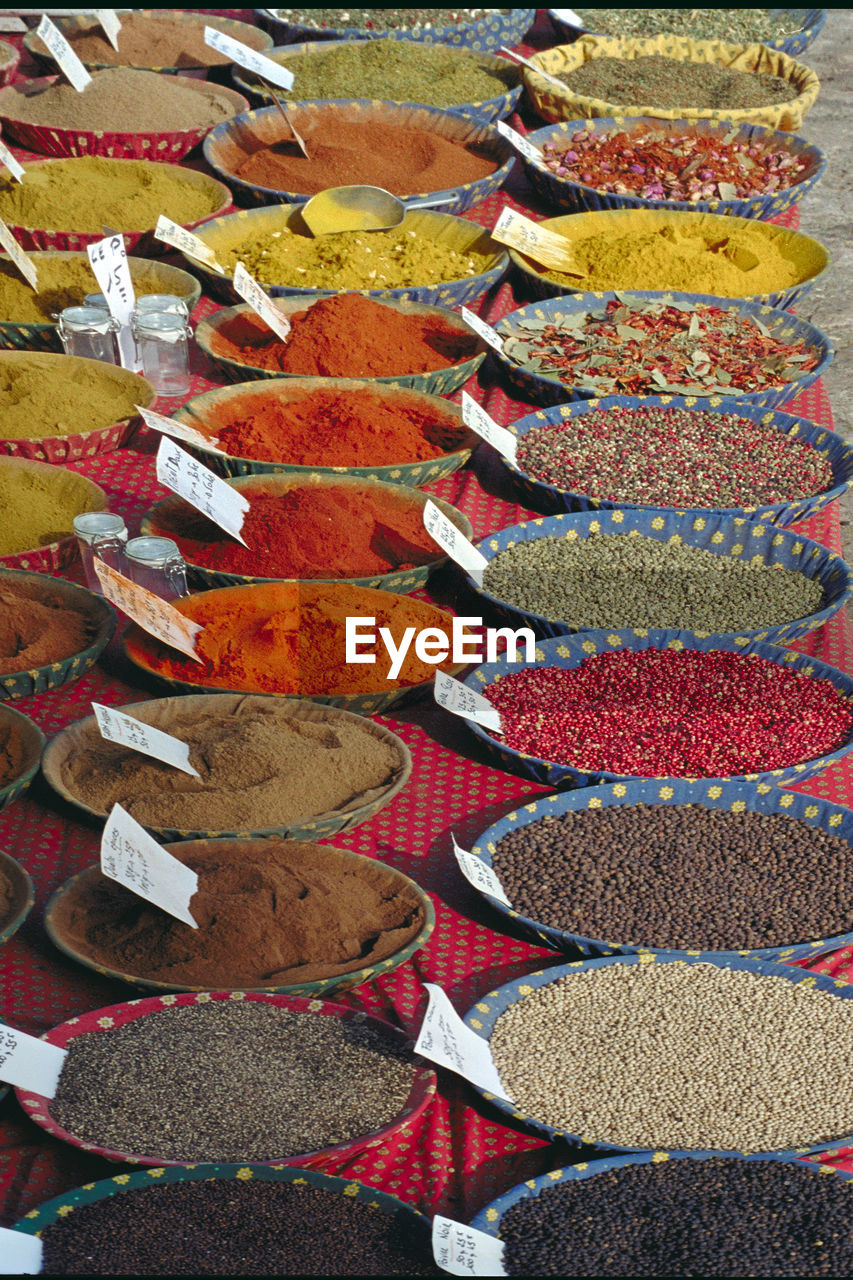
column 347, row 336
column 351, row 428
column 340, row 531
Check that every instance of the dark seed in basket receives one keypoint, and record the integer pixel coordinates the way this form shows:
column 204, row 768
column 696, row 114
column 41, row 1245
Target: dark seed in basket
column 658, row 81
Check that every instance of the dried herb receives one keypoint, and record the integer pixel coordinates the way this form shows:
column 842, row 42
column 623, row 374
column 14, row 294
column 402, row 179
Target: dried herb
column 658, row 81
column 740, row 26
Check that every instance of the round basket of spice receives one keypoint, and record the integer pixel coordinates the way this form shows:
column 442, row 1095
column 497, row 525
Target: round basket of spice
column 21, row 745
column 577, row 348
column 274, row 1221
column 319, row 528
column 655, row 1052
column 437, row 75
column 779, row 1215
column 9, row 59
column 479, row 29
column 713, row 574
column 313, row 426
column 660, row 453
column 281, row 916
column 17, row 896
column 672, row 77
column 431, row 257
column 51, row 632
column 347, row 335
column 708, row 166
column 416, row 153
column 622, row 705
column 328, row 1081
column 38, row 503
column 28, row 316
column 791, row 30
column 693, row 253
column 767, row 869
column 64, row 204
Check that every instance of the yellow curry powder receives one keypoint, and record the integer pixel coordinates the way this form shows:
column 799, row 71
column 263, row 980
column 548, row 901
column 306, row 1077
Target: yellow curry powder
column 38, row 508
column 64, row 282
column 43, row 395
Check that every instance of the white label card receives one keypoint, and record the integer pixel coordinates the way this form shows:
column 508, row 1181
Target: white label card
column 535, row 240
column 108, row 259
column 525, row 62
column 22, row 260
column 248, row 58
column 158, row 422
column 132, row 857
column 456, row 697
column 477, row 872
column 196, row 483
column 452, row 540
column 154, row 615
column 445, row 1039
column 115, row 726
column 485, row 331
column 475, row 417
column 260, row 302
column 20, row 1253
column 178, row 237
column 568, row 15
column 6, row 157
column 69, row 64
column 518, row 140
column 12, row 25
column 109, row 20
column 29, row 1063
column 465, row 1251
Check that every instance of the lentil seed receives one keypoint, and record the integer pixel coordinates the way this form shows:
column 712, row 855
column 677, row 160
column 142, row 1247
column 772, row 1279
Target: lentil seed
column 227, row 1080
column 621, row 872
column 680, row 1056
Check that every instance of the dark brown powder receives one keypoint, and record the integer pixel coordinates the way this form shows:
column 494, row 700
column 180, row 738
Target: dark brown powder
column 161, row 40
column 12, row 755
column 38, row 627
column 8, row 900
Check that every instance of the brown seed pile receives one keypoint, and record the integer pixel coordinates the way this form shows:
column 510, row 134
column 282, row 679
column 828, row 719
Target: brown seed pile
column 681, row 1056
column 622, row 873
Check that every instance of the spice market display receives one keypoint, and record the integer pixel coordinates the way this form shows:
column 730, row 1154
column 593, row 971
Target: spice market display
column 246, row 464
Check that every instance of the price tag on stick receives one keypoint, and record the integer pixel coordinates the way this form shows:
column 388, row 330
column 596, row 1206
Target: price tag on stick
column 179, row 430
column 485, row 331
column 109, row 20
column 455, row 696
column 6, row 157
column 178, row 237
column 154, row 615
column 452, row 540
column 475, row 417
column 22, row 260
column 536, row 241
column 445, row 1039
column 69, row 64
column 108, row 259
column 518, row 140
column 262, row 305
column 132, row 857
column 196, row 483
column 115, row 726
column 477, row 872
column 248, row 58
column 21, row 1253
column 525, row 62
column 465, row 1251
column 29, row 1063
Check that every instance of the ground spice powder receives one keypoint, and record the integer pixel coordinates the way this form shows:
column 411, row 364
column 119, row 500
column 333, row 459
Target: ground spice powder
column 658, row 81
column 37, row 508
column 64, row 282
column 156, row 40
column 8, row 900
column 12, row 755
column 51, row 395
column 39, row 626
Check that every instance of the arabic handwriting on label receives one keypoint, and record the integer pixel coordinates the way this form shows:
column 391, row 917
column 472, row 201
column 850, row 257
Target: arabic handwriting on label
column 158, row 422
column 109, row 20
column 69, row 64
column 536, row 241
column 115, row 726
column 21, row 1252
column 178, row 237
column 479, row 874
column 29, row 1063
column 452, row 540
column 130, row 856
column 475, row 417
column 22, row 260
column 260, row 302
column 455, row 696
column 154, row 615
column 518, row 140
column 465, row 1251
column 197, row 484
column 485, row 331
column 248, row 58
column 445, row 1039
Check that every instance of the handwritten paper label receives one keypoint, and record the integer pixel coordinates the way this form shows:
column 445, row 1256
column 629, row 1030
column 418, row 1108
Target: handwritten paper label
column 534, row 240
column 109, row 20
column 477, row 872
column 456, row 697
column 154, row 615
column 178, row 237
column 453, row 541
column 180, row 431
column 260, row 302
column 465, row 1251
column 6, row 158
column 248, row 58
column 445, row 1039
column 132, row 857
column 22, row 261
column 115, row 726
column 522, row 146
column 475, row 417
column 29, row 1063
column 69, row 64
column 485, row 331
column 20, row 1253
column 196, row 483
column 108, row 259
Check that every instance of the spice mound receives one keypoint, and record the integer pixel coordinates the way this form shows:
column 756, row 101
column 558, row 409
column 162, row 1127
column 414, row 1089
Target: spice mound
column 658, row 81
column 38, row 503
column 309, row 531
column 39, row 625
column 8, row 895
column 735, row 1218
column 680, row 1057
column 671, row 712
column 83, row 193
column 236, row 1227
column 231, row 1081
column 157, row 40
column 262, row 764
column 737, row 26
column 346, row 336
column 54, row 395
column 13, row 755
column 270, row 913
column 64, row 282
column 383, row 19
column 669, row 457
column 326, row 427
column 119, row 101
column 752, row 879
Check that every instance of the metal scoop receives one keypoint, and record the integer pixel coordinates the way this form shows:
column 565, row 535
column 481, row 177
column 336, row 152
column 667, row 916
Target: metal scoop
column 358, row 208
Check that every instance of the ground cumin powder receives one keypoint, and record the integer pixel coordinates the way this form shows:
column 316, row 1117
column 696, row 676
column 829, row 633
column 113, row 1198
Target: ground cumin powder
column 12, row 755
column 64, row 282
column 39, row 626
column 38, row 504
column 270, row 913
column 158, row 40
column 43, row 394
